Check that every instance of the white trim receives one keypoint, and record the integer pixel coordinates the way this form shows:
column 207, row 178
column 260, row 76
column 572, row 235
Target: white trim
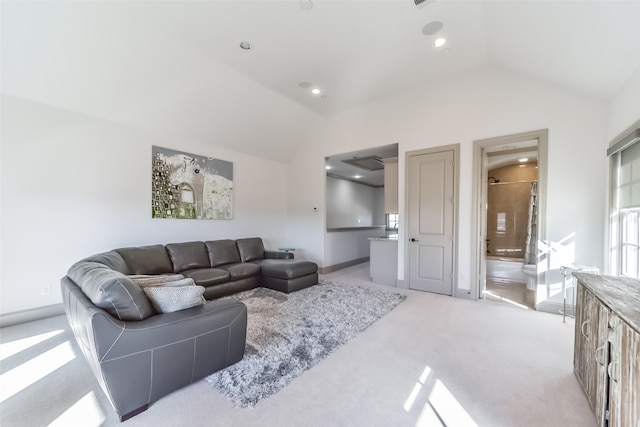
column 30, row 315
column 479, row 198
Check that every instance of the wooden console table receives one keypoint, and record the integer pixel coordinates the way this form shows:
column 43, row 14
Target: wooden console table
column 607, row 347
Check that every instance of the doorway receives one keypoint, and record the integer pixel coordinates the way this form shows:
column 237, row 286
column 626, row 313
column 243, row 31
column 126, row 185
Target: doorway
column 509, row 200
column 355, row 195
column 432, row 213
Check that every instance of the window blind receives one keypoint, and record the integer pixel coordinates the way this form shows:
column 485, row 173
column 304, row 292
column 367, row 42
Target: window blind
column 629, row 177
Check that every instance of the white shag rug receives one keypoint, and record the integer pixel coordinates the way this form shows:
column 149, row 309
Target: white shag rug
column 289, row 333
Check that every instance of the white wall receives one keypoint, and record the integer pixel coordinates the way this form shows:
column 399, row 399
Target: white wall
column 73, row 185
column 344, row 246
column 481, row 104
column 624, row 107
column 350, row 204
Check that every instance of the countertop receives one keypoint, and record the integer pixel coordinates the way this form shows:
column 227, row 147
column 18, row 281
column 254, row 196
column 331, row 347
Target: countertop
column 620, row 294
column 384, row 239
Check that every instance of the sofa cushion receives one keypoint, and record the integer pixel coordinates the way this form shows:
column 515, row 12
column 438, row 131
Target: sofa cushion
column 241, row 270
column 250, row 249
column 188, row 256
column 111, row 259
column 222, row 252
column 287, row 269
column 147, row 259
column 207, row 276
column 111, row 290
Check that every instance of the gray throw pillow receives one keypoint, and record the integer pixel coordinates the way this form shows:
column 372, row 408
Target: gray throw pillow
column 170, row 292
column 167, row 299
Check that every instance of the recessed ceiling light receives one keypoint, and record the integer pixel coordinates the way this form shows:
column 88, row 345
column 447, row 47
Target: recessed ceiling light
column 305, row 4
column 245, row 45
column 327, row 167
column 315, row 91
column 358, row 176
column 522, row 160
column 439, row 42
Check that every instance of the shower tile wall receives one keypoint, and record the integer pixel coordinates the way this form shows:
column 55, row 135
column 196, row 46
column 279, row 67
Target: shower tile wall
column 508, row 209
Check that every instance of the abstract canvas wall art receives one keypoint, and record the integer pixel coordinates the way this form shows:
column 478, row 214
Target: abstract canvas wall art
column 190, row 186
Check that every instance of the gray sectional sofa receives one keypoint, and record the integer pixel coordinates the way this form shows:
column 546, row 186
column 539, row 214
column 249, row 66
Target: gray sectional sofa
column 138, row 353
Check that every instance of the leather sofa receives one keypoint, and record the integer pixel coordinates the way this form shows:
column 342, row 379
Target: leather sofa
column 138, row 354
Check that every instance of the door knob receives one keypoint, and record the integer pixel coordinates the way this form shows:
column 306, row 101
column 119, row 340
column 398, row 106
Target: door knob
column 414, row 240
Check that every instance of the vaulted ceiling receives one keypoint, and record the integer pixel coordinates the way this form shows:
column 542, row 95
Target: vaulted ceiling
column 177, row 67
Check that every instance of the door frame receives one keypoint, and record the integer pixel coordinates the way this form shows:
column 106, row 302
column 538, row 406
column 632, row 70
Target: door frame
column 480, row 198
column 456, row 191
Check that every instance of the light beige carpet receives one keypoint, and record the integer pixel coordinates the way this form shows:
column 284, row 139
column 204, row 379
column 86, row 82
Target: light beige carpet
column 433, row 360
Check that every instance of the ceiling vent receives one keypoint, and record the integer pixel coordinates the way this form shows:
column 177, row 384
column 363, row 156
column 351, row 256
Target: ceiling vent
column 370, row 163
column 422, row 2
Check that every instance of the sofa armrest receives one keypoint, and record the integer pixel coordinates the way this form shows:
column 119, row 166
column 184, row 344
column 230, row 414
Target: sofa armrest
column 137, row 362
column 271, row 254
column 168, row 329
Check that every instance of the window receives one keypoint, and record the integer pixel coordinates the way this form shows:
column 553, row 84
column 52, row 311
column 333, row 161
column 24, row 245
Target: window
column 392, row 221
column 624, row 223
column 630, row 243
column 501, row 223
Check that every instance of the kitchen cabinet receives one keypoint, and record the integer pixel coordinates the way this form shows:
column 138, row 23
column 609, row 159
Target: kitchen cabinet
column 383, row 264
column 391, row 185
column 607, row 347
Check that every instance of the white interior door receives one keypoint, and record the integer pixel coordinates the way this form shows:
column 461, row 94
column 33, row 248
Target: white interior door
column 431, row 222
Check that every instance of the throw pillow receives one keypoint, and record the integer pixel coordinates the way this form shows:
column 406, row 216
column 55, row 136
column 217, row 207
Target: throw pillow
column 161, row 280
column 167, row 299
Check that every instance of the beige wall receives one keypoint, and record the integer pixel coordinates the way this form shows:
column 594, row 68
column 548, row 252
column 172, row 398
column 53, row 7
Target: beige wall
column 509, row 198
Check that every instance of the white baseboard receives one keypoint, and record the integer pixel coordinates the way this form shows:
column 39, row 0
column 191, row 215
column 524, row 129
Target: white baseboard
column 463, row 293
column 30, row 315
column 336, row 267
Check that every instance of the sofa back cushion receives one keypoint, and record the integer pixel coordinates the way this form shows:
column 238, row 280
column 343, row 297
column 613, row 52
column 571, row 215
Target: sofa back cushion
column 222, row 252
column 250, row 249
column 188, row 256
column 111, row 290
column 111, row 259
column 147, row 259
